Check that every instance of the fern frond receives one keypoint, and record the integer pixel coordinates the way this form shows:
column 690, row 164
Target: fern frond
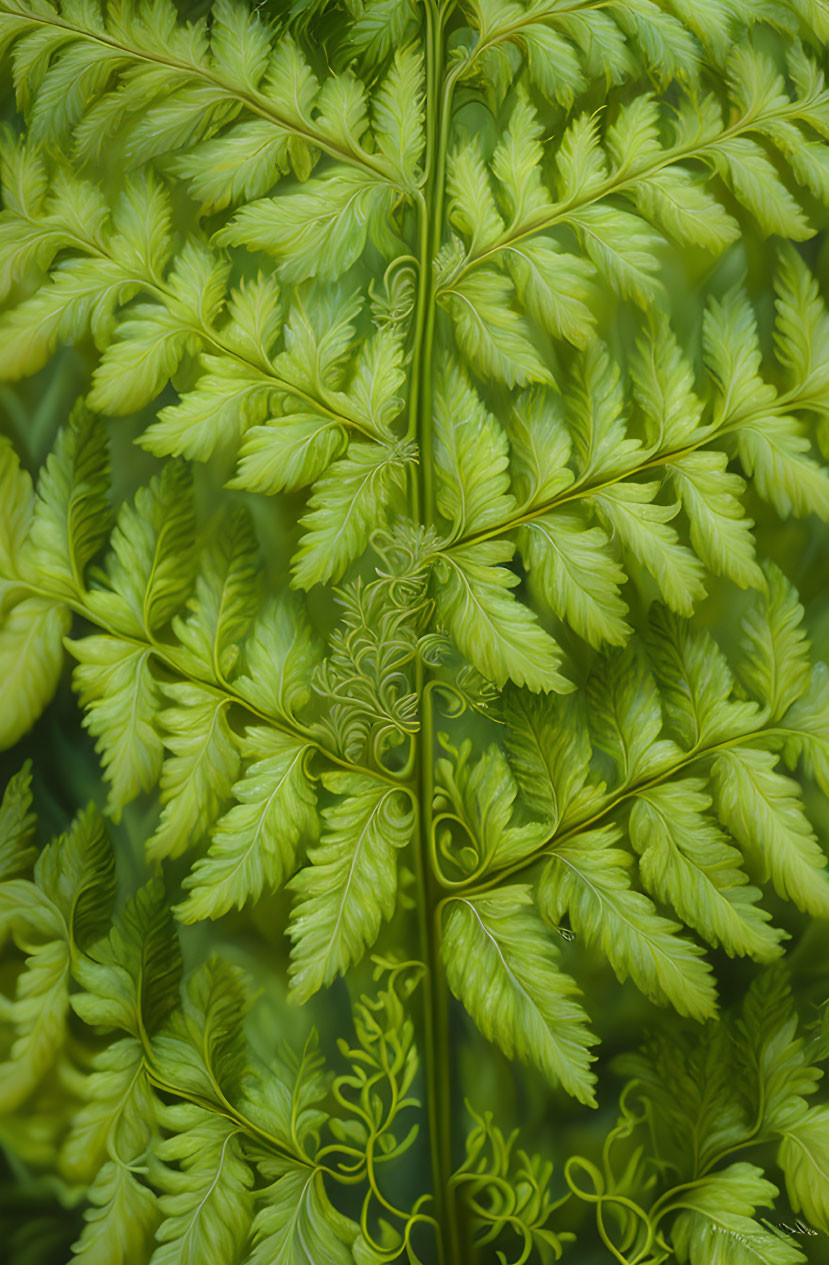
column 178, row 87
column 180, row 734
column 687, row 862
column 31, row 658
column 351, row 882
column 665, row 193
column 291, row 400
column 482, row 798
column 724, row 1211
column 802, row 1156
column 351, row 498
column 131, row 977
column 763, row 809
column 594, row 507
column 499, row 636
column 17, row 825
column 588, row 879
column 703, row 1203
column 296, row 1217
column 48, row 916
column 500, row 963
column 253, row 845
column 681, row 743
column 180, row 1139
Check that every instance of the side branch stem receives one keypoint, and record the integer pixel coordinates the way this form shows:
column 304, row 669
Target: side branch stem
column 474, row 887
column 561, row 212
column 248, row 97
column 165, row 655
column 584, row 488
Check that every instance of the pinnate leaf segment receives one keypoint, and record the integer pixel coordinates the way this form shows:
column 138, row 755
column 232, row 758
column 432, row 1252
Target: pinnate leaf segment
column 388, row 289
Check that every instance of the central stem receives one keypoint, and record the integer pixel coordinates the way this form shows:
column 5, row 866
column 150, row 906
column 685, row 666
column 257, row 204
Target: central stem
column 436, row 998
column 436, row 1011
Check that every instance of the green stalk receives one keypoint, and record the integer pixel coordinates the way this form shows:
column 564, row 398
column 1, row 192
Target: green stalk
column 437, row 1050
column 435, row 1010
column 444, row 109
column 436, row 998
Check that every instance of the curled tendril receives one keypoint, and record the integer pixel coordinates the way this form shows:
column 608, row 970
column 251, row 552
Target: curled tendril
column 601, row 1195
column 468, row 692
column 479, row 693
column 508, row 1190
column 404, row 974
column 392, row 303
column 383, row 1065
column 367, row 679
column 434, row 649
column 407, row 550
column 372, row 1096
column 407, row 556
column 630, row 1120
column 398, row 1242
column 443, row 844
column 454, row 702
